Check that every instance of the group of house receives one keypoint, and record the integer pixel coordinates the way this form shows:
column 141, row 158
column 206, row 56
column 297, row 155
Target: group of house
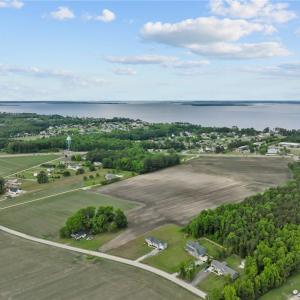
column 200, row 253
column 110, row 176
column 13, row 188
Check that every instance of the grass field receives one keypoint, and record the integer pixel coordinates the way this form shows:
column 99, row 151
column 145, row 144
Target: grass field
column 213, row 250
column 10, row 165
column 285, row 291
column 33, row 271
column 212, row 282
column 44, row 218
column 167, row 260
column 234, row 261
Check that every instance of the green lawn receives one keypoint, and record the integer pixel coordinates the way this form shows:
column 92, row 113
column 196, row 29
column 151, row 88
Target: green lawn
column 213, row 249
column 133, row 249
column 10, row 165
column 212, row 282
column 234, row 261
column 167, row 260
column 285, row 291
column 44, row 218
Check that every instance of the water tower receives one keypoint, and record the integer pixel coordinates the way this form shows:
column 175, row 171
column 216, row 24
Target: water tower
column 69, row 141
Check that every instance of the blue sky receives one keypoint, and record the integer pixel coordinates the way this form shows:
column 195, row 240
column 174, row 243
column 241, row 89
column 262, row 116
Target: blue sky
column 150, row 50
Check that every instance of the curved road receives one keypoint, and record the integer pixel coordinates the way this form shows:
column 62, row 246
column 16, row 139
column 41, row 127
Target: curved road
column 136, row 264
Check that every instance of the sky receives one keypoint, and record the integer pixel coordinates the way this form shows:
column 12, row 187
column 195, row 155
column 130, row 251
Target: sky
column 150, row 50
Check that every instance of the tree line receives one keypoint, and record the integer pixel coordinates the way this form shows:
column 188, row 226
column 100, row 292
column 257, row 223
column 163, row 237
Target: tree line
column 264, row 229
column 134, row 159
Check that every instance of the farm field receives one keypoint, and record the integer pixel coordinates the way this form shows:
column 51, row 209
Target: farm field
column 50, row 273
column 10, row 165
column 176, row 194
column 44, row 218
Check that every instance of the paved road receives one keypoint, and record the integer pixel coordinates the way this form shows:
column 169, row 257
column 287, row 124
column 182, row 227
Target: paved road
column 199, row 277
column 139, row 265
column 152, row 253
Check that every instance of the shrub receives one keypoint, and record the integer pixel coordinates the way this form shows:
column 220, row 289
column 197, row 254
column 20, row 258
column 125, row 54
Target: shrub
column 67, row 173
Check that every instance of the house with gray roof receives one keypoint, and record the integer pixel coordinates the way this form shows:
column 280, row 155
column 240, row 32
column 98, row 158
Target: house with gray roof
column 155, row 243
column 196, row 250
column 221, row 268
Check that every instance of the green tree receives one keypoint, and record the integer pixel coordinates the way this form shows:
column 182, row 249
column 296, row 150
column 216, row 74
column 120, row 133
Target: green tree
column 42, row 177
column 229, row 293
column 120, row 219
column 2, row 186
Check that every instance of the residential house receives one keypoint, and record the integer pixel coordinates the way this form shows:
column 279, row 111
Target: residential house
column 221, row 268
column 155, row 243
column 196, row 250
column 14, row 192
column 74, row 167
column 110, row 176
column 272, row 151
column 289, row 145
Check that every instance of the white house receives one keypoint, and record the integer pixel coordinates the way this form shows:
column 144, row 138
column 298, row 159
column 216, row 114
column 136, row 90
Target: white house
column 289, row 145
column 155, row 243
column 74, row 167
column 14, row 192
column 272, row 151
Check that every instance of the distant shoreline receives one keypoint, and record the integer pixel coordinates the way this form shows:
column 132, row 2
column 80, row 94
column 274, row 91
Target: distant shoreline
column 188, row 103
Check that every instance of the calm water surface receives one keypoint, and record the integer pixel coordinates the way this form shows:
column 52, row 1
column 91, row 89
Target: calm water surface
column 256, row 115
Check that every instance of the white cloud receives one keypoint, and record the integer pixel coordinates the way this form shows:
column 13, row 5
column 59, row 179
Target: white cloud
column 182, row 67
column 141, row 59
column 188, row 64
column 240, row 51
column 11, row 4
column 66, row 76
column 106, row 16
column 253, row 9
column 291, row 69
column 201, row 30
column 124, row 71
column 62, row 13
column 211, row 36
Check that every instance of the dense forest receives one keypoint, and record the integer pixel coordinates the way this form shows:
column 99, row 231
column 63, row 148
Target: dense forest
column 134, row 159
column 264, row 229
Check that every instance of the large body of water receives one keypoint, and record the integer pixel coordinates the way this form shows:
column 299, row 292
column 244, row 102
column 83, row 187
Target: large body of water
column 257, row 115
